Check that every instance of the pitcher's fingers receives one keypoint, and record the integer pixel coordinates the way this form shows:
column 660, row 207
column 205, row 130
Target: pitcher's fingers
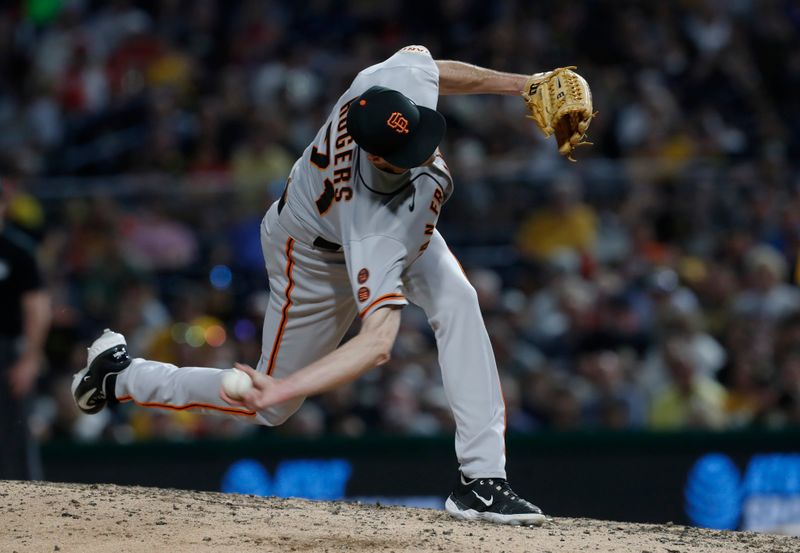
column 245, row 368
column 229, row 400
column 260, row 381
column 252, row 399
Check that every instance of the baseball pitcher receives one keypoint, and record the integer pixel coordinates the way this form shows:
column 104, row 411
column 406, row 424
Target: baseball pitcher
column 354, row 235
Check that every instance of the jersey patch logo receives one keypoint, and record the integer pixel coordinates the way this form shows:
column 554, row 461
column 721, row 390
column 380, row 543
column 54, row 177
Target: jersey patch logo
column 363, row 275
column 397, row 122
column 416, row 49
column 363, row 293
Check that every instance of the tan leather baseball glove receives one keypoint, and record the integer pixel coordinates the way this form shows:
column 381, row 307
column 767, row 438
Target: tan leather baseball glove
column 560, row 102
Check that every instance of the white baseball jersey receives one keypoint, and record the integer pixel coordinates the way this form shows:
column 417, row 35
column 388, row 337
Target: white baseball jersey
column 382, row 220
column 345, row 239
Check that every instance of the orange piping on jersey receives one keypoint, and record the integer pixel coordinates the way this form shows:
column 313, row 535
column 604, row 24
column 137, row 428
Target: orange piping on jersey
column 383, row 298
column 228, row 410
column 276, row 345
column 463, row 272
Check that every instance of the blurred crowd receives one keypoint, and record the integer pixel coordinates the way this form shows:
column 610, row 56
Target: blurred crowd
column 651, row 285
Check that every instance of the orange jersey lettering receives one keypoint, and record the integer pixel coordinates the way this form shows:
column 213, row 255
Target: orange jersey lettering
column 342, row 175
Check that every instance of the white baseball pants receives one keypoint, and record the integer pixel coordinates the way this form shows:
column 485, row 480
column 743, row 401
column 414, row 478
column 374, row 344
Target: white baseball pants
column 311, row 307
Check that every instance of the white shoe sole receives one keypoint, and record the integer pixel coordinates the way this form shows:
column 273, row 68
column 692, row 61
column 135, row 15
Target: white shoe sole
column 531, row 519
column 104, row 343
column 107, row 341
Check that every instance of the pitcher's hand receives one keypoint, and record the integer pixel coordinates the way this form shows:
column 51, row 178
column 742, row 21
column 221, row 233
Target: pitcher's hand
column 261, row 395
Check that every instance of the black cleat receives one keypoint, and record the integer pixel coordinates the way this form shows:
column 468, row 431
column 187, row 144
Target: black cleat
column 491, row 499
column 108, row 355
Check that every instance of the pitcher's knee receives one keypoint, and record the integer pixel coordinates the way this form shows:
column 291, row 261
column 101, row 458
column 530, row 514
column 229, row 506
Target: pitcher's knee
column 279, row 414
column 461, row 298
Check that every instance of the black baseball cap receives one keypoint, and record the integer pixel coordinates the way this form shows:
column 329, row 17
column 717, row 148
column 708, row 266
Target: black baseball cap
column 386, row 123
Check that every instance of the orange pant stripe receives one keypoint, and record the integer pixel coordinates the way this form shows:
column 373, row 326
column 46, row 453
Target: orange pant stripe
column 276, row 345
column 229, row 410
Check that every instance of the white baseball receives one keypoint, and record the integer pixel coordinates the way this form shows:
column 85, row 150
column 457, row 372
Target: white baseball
column 236, row 383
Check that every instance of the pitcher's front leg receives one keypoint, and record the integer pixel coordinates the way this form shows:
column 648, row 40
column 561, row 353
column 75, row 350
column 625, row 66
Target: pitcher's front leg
column 438, row 285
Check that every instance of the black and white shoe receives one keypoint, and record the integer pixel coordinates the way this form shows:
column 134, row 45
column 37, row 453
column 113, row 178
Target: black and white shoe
column 491, row 499
column 108, row 356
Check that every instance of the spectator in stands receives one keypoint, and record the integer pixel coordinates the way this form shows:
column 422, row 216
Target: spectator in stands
column 565, row 223
column 749, row 396
column 786, row 411
column 767, row 295
column 260, row 161
column 691, row 399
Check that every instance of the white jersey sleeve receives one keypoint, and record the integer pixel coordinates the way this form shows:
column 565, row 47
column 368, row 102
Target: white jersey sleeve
column 375, row 265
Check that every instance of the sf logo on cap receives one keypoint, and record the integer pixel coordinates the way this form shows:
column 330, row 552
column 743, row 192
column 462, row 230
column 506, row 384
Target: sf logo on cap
column 397, row 122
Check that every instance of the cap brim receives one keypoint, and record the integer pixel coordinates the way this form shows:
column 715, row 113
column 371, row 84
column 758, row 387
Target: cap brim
column 428, row 135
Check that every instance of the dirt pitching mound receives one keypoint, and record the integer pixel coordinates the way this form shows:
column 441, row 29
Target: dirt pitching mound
column 46, row 517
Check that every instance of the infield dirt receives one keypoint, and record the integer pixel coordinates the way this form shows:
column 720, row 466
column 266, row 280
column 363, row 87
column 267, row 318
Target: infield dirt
column 46, row 517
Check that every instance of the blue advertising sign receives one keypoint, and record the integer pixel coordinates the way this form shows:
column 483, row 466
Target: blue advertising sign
column 765, row 499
